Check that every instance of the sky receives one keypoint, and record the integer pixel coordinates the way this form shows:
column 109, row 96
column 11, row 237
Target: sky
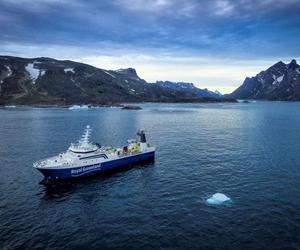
column 213, row 43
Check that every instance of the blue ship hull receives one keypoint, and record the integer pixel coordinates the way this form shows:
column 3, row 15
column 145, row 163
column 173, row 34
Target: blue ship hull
column 70, row 173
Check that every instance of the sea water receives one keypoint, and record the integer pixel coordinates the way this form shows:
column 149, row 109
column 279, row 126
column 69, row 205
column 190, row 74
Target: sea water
column 247, row 151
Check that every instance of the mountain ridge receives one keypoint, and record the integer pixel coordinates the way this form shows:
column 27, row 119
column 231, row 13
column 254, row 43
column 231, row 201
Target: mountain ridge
column 186, row 86
column 279, row 82
column 44, row 80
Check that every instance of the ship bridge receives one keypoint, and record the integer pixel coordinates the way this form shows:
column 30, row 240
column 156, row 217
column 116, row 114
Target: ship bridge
column 84, row 146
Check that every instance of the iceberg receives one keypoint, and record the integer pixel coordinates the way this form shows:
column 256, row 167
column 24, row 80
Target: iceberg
column 79, row 107
column 218, row 199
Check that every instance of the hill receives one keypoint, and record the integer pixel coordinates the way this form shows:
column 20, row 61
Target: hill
column 50, row 81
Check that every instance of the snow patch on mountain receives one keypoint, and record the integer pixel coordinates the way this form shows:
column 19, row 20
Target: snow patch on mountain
column 280, row 78
column 109, row 74
column 277, row 79
column 218, row 93
column 33, row 72
column 69, row 70
column 9, row 71
column 260, row 79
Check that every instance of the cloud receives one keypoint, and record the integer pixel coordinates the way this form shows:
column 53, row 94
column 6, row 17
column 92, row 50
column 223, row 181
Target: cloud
column 224, row 8
column 174, row 32
column 206, row 72
column 34, row 6
column 144, row 5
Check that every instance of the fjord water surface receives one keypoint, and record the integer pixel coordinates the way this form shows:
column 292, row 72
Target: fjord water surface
column 250, row 152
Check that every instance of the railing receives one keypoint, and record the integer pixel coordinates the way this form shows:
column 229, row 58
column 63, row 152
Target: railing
column 44, row 162
column 40, row 163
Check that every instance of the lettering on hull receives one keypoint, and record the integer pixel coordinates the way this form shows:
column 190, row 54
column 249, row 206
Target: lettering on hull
column 85, row 170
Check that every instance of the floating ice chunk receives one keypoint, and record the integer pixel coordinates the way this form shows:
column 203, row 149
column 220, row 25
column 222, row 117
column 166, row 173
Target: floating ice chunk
column 79, row 107
column 10, row 106
column 218, row 199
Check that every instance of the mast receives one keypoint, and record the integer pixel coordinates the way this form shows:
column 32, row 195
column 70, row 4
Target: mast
column 142, row 140
column 84, row 145
column 142, row 136
column 85, row 138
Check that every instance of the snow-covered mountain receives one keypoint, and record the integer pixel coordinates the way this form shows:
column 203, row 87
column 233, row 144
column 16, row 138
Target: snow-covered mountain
column 218, row 93
column 190, row 87
column 279, row 82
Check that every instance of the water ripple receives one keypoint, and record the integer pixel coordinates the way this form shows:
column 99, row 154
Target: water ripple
column 248, row 152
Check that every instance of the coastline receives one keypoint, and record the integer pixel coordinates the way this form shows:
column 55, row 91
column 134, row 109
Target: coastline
column 109, row 105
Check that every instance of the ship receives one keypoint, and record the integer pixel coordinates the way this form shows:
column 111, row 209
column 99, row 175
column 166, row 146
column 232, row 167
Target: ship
column 86, row 158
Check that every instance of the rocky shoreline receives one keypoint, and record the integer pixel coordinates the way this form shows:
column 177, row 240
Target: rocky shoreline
column 128, row 106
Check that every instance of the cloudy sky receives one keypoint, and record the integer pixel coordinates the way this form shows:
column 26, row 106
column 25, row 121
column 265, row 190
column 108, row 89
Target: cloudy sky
column 214, row 44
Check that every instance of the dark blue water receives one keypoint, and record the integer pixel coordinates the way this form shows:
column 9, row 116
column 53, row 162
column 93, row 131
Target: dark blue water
column 250, row 152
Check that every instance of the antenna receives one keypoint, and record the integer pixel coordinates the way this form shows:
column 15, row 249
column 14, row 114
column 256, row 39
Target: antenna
column 86, row 136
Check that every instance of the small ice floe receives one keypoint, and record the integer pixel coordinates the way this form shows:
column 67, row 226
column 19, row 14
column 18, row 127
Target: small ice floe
column 79, row 107
column 218, row 199
column 10, row 106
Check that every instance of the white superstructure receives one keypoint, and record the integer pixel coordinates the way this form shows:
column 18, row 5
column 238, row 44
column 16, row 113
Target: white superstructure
column 85, row 153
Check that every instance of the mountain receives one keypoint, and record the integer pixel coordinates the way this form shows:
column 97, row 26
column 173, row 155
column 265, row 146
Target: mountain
column 49, row 81
column 218, row 93
column 130, row 72
column 279, row 82
column 188, row 87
